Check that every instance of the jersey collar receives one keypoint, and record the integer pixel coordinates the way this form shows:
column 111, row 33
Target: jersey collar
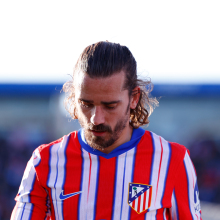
column 135, row 138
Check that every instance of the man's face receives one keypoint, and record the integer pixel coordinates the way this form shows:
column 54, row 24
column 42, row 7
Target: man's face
column 103, row 108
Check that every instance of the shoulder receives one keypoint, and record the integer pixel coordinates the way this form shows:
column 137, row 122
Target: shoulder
column 45, row 151
column 45, row 147
column 160, row 144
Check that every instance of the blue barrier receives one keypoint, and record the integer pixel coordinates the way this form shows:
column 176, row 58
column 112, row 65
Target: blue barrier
column 168, row 90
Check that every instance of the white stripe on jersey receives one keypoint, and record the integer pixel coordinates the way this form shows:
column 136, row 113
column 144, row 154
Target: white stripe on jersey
column 19, row 211
column 119, row 184
column 163, row 172
column 36, row 157
column 158, row 179
column 147, row 198
column 191, row 176
column 136, row 203
column 84, row 195
column 129, row 160
column 155, row 168
column 27, row 182
column 24, row 211
column 92, row 188
column 142, row 202
column 151, row 215
column 53, row 174
column 173, row 209
column 57, row 175
column 61, row 172
column 164, row 214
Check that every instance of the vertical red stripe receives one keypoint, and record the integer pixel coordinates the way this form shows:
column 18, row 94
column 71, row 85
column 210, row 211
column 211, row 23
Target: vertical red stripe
column 145, row 197
column 73, row 177
column 133, row 204
column 177, row 172
column 105, row 190
column 158, row 178
column 39, row 198
column 150, row 197
column 90, row 167
column 139, row 204
column 181, row 193
column 142, row 166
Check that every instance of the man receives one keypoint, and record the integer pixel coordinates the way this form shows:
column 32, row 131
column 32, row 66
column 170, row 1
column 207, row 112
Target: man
column 111, row 168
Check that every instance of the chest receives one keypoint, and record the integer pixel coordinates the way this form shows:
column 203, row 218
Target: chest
column 87, row 186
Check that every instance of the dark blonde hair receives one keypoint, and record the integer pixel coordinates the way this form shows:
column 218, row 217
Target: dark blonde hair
column 104, row 59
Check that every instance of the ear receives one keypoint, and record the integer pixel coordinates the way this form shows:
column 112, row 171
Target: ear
column 135, row 97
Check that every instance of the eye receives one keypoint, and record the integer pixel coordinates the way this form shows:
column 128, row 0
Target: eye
column 85, row 104
column 111, row 106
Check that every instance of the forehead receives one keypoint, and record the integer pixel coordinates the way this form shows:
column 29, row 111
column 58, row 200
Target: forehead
column 109, row 87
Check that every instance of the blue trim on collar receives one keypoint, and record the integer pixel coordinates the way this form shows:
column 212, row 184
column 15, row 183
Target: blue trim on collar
column 135, row 138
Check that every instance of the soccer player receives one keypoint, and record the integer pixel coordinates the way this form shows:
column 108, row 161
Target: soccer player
column 111, row 168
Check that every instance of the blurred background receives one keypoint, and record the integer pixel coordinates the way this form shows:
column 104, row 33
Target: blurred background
column 176, row 44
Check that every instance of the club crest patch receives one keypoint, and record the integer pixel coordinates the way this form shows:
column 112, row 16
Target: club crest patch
column 139, row 196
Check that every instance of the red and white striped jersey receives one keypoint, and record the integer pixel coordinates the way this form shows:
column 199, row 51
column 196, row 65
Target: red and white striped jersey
column 146, row 178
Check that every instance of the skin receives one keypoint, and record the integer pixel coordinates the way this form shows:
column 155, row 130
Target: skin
column 103, row 109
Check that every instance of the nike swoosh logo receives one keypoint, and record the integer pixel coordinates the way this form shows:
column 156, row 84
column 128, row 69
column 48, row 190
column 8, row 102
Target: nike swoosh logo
column 62, row 197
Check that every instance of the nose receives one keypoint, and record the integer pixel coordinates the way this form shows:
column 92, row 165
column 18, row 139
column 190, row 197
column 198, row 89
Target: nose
column 97, row 117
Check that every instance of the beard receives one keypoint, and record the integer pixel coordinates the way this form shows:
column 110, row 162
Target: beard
column 112, row 135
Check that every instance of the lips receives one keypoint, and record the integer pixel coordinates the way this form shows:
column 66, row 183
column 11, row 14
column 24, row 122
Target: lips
column 98, row 133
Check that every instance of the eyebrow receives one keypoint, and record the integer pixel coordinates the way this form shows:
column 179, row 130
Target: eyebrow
column 112, row 102
column 105, row 103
